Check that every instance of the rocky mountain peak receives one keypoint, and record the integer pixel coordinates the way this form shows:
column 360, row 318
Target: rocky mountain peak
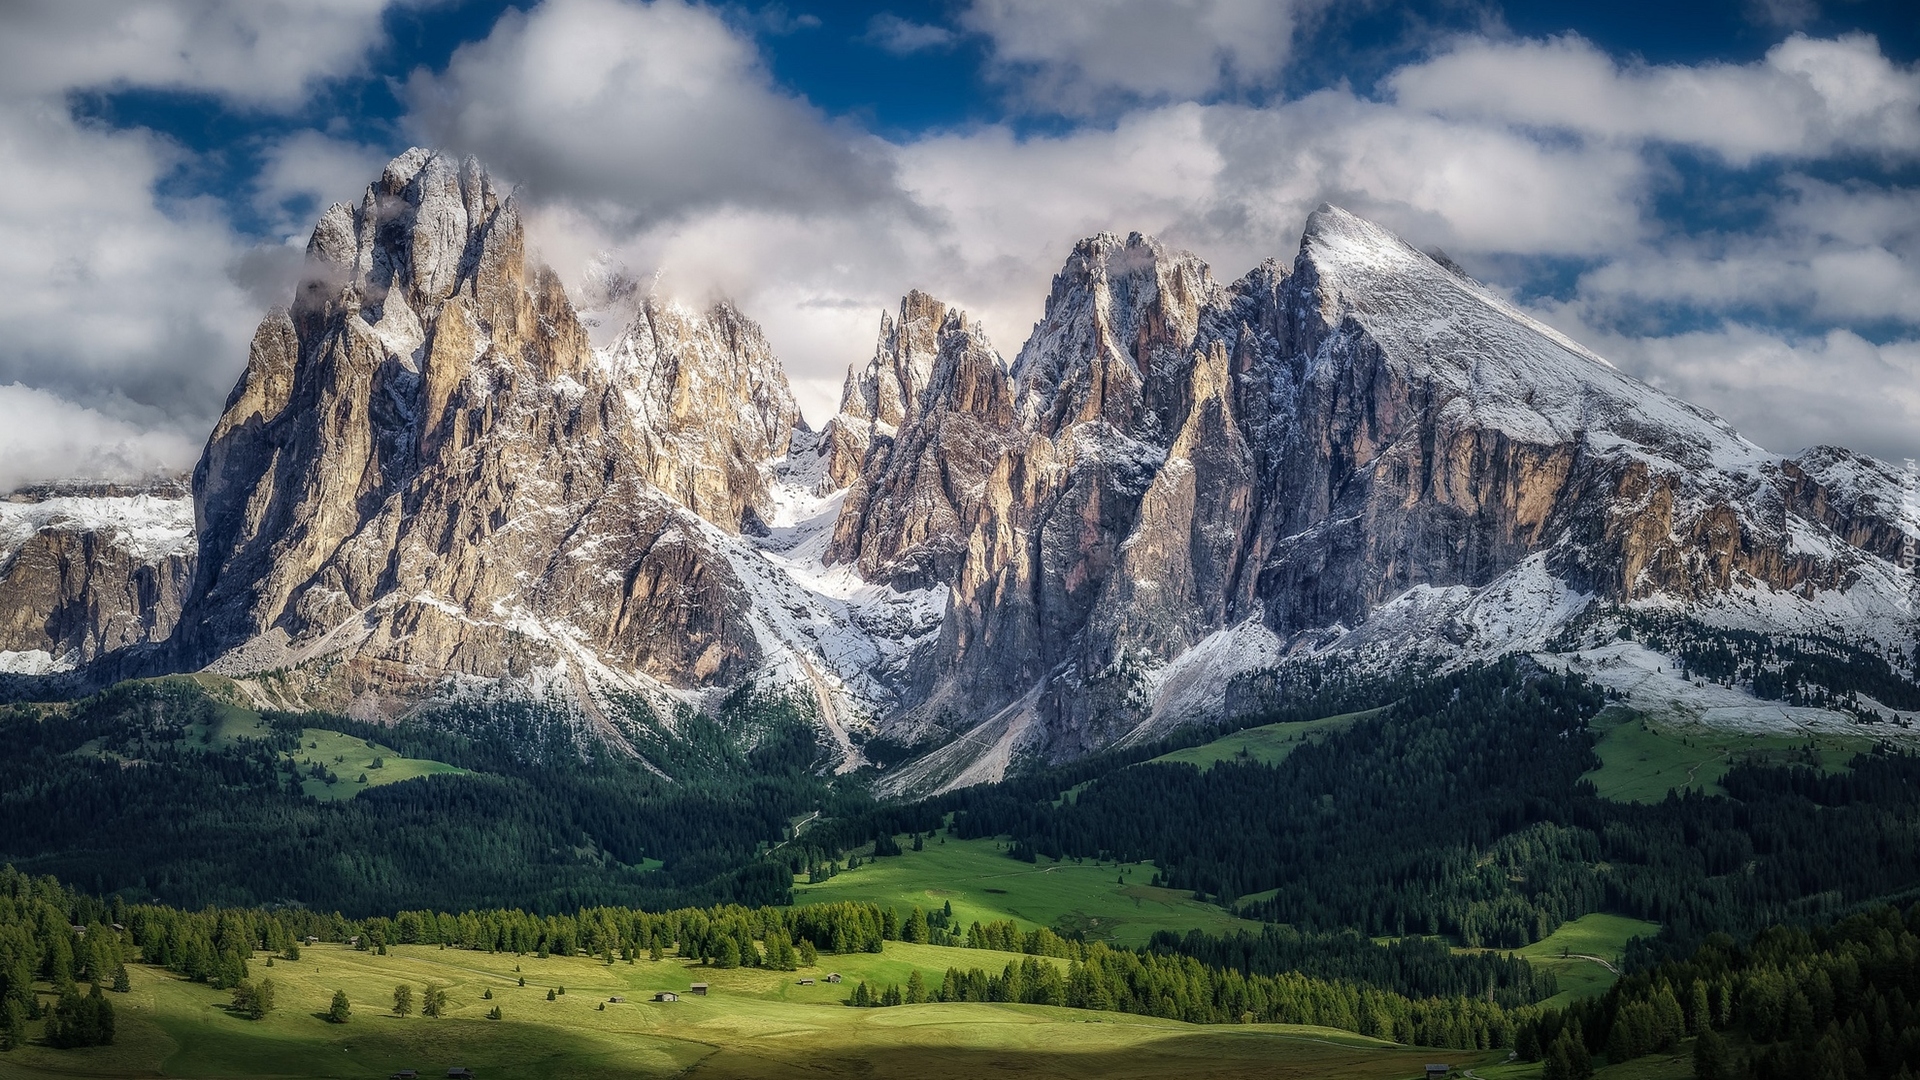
column 1113, row 343
column 886, row 391
column 920, row 482
column 710, row 404
column 1481, row 354
column 420, row 235
column 427, row 472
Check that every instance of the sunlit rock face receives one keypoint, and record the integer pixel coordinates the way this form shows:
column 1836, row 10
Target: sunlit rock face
column 426, row 469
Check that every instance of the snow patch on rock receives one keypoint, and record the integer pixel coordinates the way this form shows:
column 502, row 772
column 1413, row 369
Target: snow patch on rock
column 149, row 527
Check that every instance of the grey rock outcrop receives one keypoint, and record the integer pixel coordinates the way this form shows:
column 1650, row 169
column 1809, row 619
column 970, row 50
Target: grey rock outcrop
column 86, row 571
column 1351, row 450
column 711, row 407
column 925, row 476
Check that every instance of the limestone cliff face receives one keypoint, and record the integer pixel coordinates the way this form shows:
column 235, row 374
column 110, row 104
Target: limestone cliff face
column 1112, row 525
column 88, row 571
column 1358, row 447
column 921, row 490
column 885, row 392
column 427, row 471
column 1863, row 501
column 711, row 407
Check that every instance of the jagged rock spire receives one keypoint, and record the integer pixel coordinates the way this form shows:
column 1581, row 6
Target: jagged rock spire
column 426, row 471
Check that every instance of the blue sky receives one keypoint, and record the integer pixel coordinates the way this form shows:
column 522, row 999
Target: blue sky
column 1724, row 198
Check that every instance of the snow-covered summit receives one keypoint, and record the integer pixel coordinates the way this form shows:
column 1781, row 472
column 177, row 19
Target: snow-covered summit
column 1501, row 367
column 83, row 575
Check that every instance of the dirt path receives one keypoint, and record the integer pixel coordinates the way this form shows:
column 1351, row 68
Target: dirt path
column 1724, row 753
column 1601, row 960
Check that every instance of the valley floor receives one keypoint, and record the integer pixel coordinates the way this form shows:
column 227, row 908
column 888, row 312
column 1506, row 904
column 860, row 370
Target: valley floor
column 755, row 1023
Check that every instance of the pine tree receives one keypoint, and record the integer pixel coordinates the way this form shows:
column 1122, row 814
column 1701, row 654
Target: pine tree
column 341, row 1010
column 13, row 1024
column 81, row 1021
column 1712, row 1060
column 1699, row 1013
column 253, row 1001
column 403, row 1000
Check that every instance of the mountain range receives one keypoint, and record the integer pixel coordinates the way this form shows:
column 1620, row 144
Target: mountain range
column 430, row 484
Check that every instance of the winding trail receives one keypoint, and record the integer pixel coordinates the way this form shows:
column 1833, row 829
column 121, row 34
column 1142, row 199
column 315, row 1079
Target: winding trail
column 1601, row 960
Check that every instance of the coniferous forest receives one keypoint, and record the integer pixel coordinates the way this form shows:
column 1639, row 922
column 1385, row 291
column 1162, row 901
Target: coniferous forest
column 1461, row 811
column 1451, row 811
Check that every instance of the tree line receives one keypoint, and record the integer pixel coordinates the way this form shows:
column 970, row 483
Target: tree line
column 1182, row 988
column 124, row 792
column 1460, row 811
column 52, row 934
column 1417, row 967
column 1840, row 1002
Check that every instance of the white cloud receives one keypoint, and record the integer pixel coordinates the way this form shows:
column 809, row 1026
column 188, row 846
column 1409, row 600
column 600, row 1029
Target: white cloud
column 307, row 171
column 1082, row 56
column 44, row 436
column 1829, row 253
column 100, row 291
column 138, row 306
column 1467, row 186
column 1784, row 392
column 1807, row 98
column 638, row 113
column 265, row 52
column 904, row 36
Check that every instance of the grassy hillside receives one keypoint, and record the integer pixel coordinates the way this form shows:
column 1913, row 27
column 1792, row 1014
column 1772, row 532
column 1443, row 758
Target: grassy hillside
column 1642, row 759
column 1106, row 901
column 349, row 758
column 1268, row 744
column 756, row 1023
column 1676, row 1066
column 1604, row 936
column 226, row 723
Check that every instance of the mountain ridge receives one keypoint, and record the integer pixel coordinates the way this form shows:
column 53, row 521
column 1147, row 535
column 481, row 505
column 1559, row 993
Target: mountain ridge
column 430, row 478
